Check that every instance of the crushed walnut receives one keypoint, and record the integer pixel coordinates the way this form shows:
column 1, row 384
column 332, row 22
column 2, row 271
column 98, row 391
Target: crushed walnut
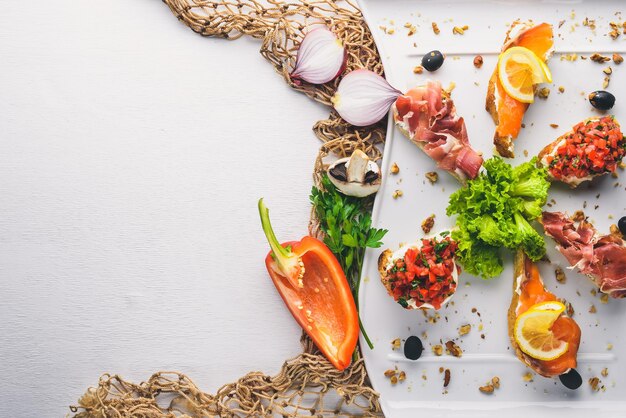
column 604, row 372
column 595, row 384
column 397, row 194
column 617, row 59
column 446, row 378
column 435, row 28
column 560, row 275
column 554, row 125
column 428, row 223
column 543, row 93
column 561, row 89
column 395, row 344
column 590, row 23
column 395, row 375
column 578, row 216
column 437, row 349
column 394, row 168
column 418, row 70
column 593, row 309
column 487, row 389
column 478, row 61
column 464, row 329
column 493, row 384
column 614, row 229
column 432, row 176
column 599, row 58
column 528, row 377
column 454, row 349
column 459, row 30
column 614, row 33
column 412, row 29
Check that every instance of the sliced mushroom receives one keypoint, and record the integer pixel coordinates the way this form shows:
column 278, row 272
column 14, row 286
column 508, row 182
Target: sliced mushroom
column 355, row 176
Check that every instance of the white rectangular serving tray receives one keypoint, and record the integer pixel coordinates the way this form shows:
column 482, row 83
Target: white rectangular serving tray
column 422, row 394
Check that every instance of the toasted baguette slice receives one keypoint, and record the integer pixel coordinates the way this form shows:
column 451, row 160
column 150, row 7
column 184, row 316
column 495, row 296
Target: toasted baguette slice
column 426, row 115
column 506, row 112
column 549, row 368
column 550, row 152
column 386, row 261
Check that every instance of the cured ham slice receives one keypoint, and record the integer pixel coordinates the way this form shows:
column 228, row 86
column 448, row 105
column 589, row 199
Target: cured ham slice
column 427, row 116
column 600, row 257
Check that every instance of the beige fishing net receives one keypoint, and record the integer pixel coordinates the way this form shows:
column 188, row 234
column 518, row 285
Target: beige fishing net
column 307, row 385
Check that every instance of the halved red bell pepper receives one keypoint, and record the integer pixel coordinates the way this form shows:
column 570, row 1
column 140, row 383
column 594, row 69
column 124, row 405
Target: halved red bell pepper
column 314, row 287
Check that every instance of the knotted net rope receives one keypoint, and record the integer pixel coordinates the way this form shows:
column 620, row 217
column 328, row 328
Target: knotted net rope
column 304, row 385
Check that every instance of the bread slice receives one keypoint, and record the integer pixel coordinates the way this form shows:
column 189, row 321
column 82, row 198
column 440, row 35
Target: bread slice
column 421, row 144
column 503, row 144
column 551, row 149
column 520, row 275
column 387, row 256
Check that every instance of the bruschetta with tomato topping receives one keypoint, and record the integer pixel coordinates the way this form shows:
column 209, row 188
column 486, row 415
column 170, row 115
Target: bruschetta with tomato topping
column 422, row 275
column 592, row 148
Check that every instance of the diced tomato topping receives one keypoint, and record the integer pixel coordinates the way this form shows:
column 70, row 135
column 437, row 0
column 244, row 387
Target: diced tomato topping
column 425, row 274
column 593, row 147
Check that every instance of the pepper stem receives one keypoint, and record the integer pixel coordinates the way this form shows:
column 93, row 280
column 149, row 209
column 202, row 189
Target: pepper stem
column 287, row 263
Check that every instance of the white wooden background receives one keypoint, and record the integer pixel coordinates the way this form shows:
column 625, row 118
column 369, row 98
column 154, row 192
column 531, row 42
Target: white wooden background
column 132, row 155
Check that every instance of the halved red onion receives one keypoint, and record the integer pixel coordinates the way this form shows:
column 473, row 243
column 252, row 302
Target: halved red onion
column 321, row 57
column 363, row 97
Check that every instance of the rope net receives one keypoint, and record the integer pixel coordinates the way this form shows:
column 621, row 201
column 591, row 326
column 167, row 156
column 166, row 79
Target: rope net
column 307, row 385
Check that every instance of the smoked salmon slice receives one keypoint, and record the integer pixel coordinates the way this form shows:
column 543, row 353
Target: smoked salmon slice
column 506, row 112
column 529, row 290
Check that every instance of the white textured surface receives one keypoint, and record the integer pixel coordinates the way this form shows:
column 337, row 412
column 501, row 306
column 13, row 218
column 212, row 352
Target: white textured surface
column 132, row 155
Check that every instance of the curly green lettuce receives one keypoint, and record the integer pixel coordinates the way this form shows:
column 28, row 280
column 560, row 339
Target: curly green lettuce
column 495, row 210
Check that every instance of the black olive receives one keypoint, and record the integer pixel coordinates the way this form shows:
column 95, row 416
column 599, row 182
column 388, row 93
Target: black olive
column 432, row 60
column 370, row 176
column 571, row 379
column 339, row 172
column 602, row 100
column 621, row 224
column 413, row 348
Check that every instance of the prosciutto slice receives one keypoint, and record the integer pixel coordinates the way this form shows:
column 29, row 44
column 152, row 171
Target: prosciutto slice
column 427, row 116
column 601, row 257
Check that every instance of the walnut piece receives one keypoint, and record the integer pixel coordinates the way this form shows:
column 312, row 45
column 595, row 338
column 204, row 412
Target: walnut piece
column 487, row 389
column 454, row 349
column 560, row 275
column 428, row 223
column 437, row 349
column 432, row 176
column 465, row 329
column 578, row 216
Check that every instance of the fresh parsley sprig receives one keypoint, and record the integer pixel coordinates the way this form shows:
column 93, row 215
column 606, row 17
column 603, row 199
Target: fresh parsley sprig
column 347, row 225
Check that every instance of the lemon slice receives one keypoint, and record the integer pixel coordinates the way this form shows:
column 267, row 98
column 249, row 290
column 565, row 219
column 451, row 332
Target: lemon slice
column 519, row 69
column 533, row 331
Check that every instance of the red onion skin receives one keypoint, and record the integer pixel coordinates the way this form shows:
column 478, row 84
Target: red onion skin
column 298, row 80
